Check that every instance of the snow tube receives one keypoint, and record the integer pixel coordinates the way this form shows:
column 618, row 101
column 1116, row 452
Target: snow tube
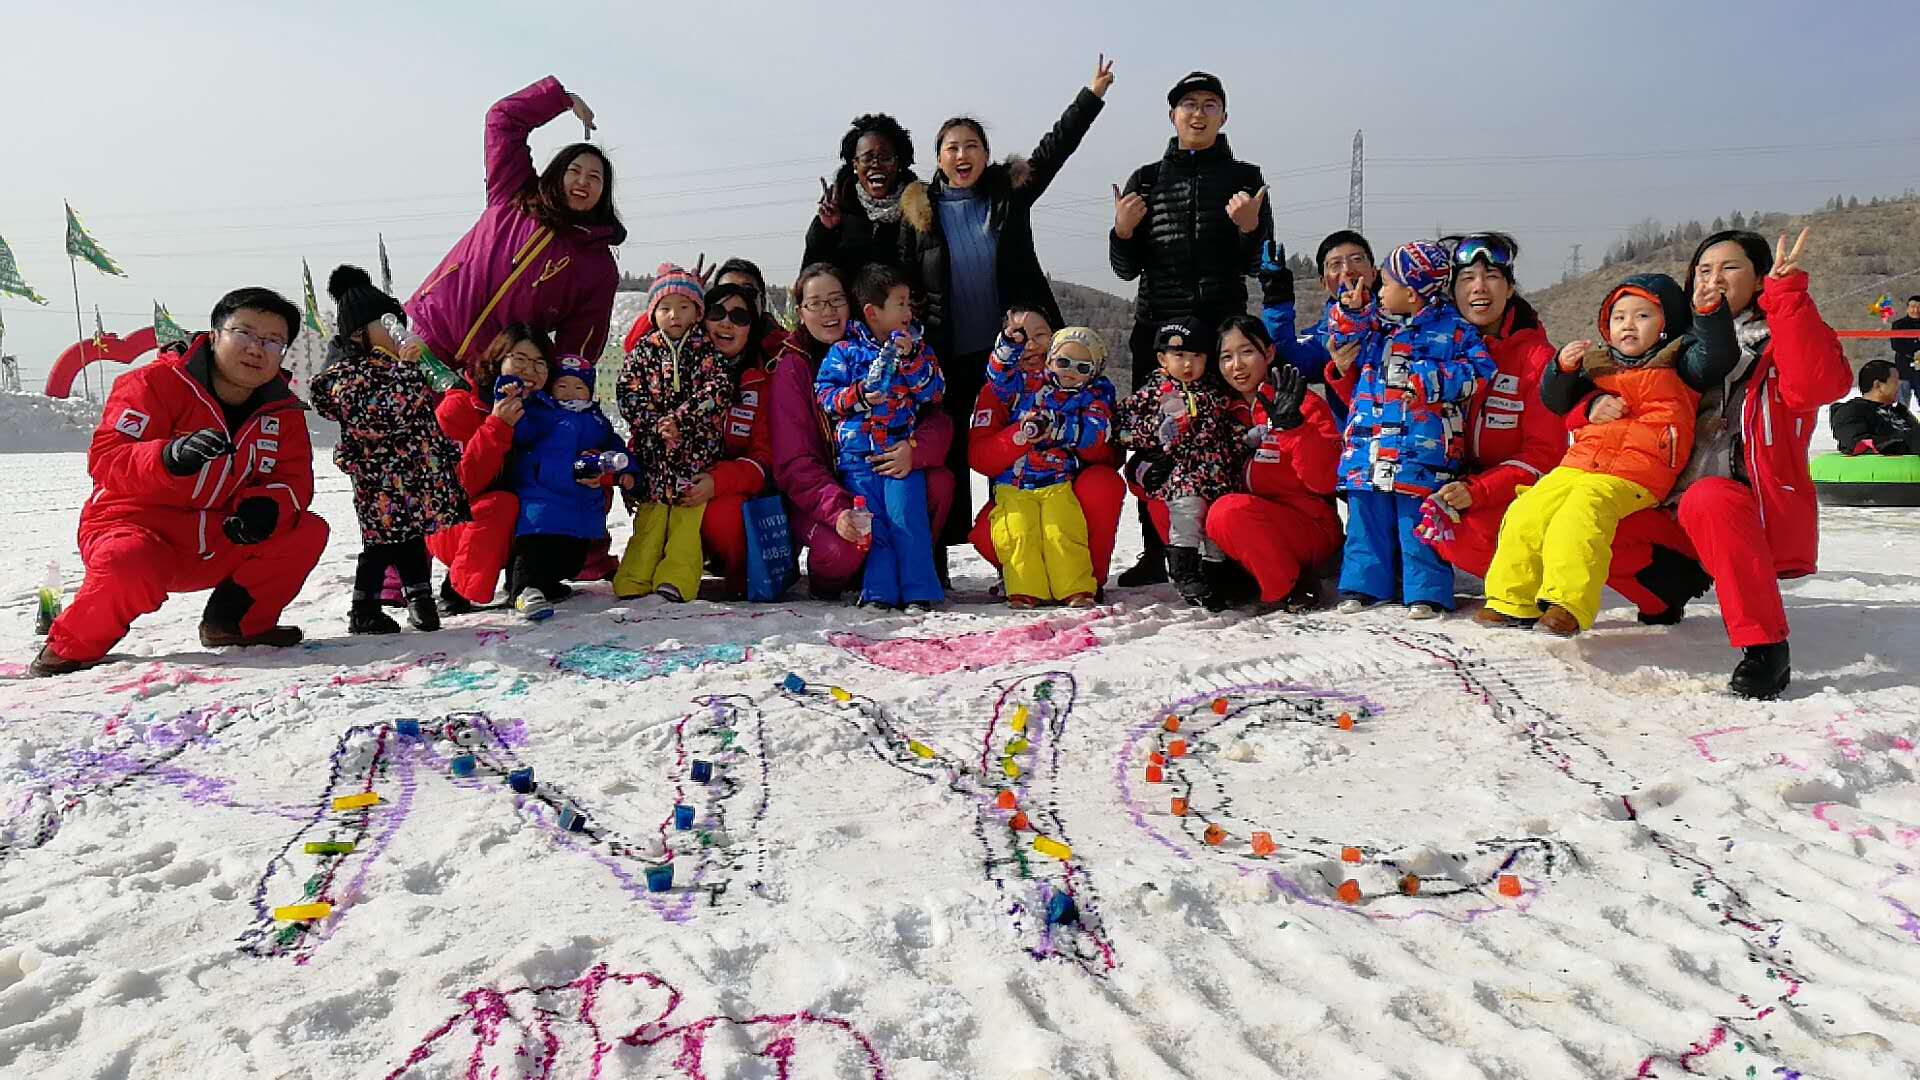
column 1867, row 480
column 105, row 347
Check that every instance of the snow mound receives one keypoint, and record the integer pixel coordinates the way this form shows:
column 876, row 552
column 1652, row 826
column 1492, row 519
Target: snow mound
column 35, row 423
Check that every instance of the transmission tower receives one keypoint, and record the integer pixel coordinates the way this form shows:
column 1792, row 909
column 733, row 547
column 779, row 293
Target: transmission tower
column 1573, row 263
column 1356, row 183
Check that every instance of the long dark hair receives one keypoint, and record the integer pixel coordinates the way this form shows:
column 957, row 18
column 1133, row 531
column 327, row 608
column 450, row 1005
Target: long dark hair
column 546, row 197
column 1250, row 327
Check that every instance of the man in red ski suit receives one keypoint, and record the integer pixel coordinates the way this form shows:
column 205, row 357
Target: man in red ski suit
column 202, row 470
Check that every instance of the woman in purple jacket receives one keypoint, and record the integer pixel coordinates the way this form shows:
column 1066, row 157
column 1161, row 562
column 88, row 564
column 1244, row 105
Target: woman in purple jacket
column 819, row 509
column 541, row 253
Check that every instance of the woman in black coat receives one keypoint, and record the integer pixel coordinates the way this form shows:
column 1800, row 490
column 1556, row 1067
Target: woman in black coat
column 968, row 249
column 858, row 220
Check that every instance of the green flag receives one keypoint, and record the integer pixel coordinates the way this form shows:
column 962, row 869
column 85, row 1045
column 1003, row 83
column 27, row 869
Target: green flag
column 11, row 282
column 165, row 331
column 313, row 305
column 82, row 246
column 99, row 327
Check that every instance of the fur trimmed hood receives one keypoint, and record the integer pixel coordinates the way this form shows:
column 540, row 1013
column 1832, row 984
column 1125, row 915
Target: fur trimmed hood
column 1000, row 179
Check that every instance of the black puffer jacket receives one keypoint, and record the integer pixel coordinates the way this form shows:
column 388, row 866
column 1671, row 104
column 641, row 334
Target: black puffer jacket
column 1013, row 187
column 859, row 240
column 1188, row 255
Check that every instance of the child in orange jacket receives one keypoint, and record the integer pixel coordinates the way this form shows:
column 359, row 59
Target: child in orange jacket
column 1556, row 541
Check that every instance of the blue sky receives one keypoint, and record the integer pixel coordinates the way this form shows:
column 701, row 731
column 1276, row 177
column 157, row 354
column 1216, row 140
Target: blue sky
column 210, row 145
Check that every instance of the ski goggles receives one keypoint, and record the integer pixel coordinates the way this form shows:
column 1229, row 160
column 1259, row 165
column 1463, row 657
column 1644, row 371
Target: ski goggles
column 1484, row 247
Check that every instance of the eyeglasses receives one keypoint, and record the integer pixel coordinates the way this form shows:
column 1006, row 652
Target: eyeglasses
column 265, row 345
column 876, row 157
column 1203, row 106
column 736, row 316
column 1360, row 261
column 821, row 307
column 1483, row 247
column 1063, row 362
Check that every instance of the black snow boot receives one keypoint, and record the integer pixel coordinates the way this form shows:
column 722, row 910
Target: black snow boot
column 452, row 603
column 1183, row 568
column 421, row 612
column 1763, row 673
column 365, row 617
column 1150, row 570
column 1675, row 579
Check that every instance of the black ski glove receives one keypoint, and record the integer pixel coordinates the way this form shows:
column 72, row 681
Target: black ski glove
column 252, row 521
column 1289, row 392
column 186, row 454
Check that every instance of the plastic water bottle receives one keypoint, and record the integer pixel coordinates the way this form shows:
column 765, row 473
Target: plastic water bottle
column 50, row 592
column 862, row 523
column 440, row 376
column 600, row 465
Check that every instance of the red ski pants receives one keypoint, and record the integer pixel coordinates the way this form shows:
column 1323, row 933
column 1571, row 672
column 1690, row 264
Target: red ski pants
column 476, row 552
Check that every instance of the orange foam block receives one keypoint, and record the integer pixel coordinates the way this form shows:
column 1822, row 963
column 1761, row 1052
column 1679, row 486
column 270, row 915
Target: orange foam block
column 1004, row 800
column 1349, row 854
column 1219, row 706
column 1216, row 835
column 1345, row 720
column 1155, row 774
column 1410, row 885
column 1177, row 748
column 1509, row 885
column 1172, row 723
column 1263, row 845
column 1349, row 891
column 1019, row 822
column 1179, row 807
column 1155, row 757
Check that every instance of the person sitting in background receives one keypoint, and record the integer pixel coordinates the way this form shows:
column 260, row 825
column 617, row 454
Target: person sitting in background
column 1904, row 349
column 1876, row 422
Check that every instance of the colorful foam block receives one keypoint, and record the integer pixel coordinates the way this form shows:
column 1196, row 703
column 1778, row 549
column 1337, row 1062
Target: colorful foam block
column 793, row 684
column 407, row 729
column 1410, row 885
column 1349, row 854
column 1020, row 719
column 1219, row 706
column 839, row 695
column 920, row 749
column 1179, row 806
column 1215, row 835
column 1155, row 757
column 302, row 912
column 1019, row 823
column 1509, row 885
column 1172, row 723
column 1345, row 721
column 1011, row 768
column 1061, row 910
column 1052, row 847
column 1156, row 775
column 1349, row 891
column 521, row 781
column 1004, row 800
column 356, row 802
column 1018, row 746
column 1177, row 748
column 465, row 764
column 330, row 847
column 682, row 816
column 702, row 771
column 573, row 819
column 1263, row 844
column 660, row 878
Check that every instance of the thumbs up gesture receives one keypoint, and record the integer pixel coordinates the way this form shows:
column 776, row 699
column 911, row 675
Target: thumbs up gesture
column 1244, row 209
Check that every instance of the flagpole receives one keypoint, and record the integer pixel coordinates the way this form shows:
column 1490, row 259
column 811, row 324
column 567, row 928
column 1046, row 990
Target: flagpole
column 79, row 328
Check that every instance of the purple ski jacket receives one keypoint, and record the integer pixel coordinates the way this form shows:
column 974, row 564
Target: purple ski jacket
column 511, row 268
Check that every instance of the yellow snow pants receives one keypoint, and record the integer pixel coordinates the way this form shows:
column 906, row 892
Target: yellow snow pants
column 1556, row 543
column 1041, row 538
column 664, row 550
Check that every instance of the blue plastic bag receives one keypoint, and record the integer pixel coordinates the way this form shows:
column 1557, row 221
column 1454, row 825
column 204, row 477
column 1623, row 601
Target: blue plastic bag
column 772, row 564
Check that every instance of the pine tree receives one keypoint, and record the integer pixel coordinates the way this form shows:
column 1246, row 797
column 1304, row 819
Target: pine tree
column 1738, row 221
column 1853, row 202
column 1719, row 225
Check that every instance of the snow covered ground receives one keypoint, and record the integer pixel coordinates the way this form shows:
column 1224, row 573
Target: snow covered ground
column 1702, row 885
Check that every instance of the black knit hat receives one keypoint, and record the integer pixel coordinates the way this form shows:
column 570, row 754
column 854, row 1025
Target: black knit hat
column 1759, row 252
column 1334, row 240
column 1185, row 334
column 1197, row 80
column 361, row 303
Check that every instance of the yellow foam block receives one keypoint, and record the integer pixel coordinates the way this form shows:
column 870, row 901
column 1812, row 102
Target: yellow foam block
column 1020, row 719
column 302, row 912
column 920, row 748
column 1018, row 746
column 1012, row 768
column 1052, row 847
column 839, row 694
column 355, row 802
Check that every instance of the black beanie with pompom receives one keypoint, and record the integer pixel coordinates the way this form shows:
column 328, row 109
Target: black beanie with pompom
column 361, row 302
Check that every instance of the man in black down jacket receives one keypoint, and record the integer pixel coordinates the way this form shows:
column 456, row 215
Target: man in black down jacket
column 1190, row 226
column 1875, row 422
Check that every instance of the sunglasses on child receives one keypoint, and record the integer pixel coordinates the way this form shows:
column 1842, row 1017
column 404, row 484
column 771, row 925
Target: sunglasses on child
column 736, row 316
column 1063, row 362
column 1486, row 248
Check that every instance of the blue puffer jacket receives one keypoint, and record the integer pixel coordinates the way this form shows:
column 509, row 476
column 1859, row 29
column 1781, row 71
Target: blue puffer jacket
column 546, row 442
column 1305, row 349
column 1406, row 432
column 861, row 429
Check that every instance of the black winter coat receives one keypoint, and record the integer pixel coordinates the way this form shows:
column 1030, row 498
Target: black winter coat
column 859, row 240
column 1012, row 187
column 1891, row 427
column 1188, row 255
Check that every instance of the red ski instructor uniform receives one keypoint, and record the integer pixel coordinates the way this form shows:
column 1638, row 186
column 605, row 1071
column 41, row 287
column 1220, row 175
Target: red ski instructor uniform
column 146, row 533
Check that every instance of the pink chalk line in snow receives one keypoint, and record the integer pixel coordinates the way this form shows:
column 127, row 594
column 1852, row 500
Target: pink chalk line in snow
column 1040, row 640
column 1700, row 741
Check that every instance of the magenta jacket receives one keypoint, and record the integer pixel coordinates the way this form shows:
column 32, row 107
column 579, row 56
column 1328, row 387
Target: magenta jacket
column 802, row 453
column 509, row 267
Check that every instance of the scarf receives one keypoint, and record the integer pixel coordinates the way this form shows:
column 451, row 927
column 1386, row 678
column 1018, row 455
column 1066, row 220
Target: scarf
column 879, row 211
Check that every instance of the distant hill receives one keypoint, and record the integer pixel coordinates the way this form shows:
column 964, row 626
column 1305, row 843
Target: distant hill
column 1854, row 254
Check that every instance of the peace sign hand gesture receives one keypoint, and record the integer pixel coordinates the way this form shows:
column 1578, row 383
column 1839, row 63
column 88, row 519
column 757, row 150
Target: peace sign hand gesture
column 829, row 210
column 1102, row 77
column 1787, row 262
column 1244, row 209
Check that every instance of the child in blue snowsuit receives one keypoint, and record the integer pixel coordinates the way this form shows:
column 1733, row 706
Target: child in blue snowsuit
column 1420, row 362
column 562, row 513
column 872, row 384
column 1037, row 524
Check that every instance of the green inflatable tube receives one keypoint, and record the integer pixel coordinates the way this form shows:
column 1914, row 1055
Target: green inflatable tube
column 1867, row 480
